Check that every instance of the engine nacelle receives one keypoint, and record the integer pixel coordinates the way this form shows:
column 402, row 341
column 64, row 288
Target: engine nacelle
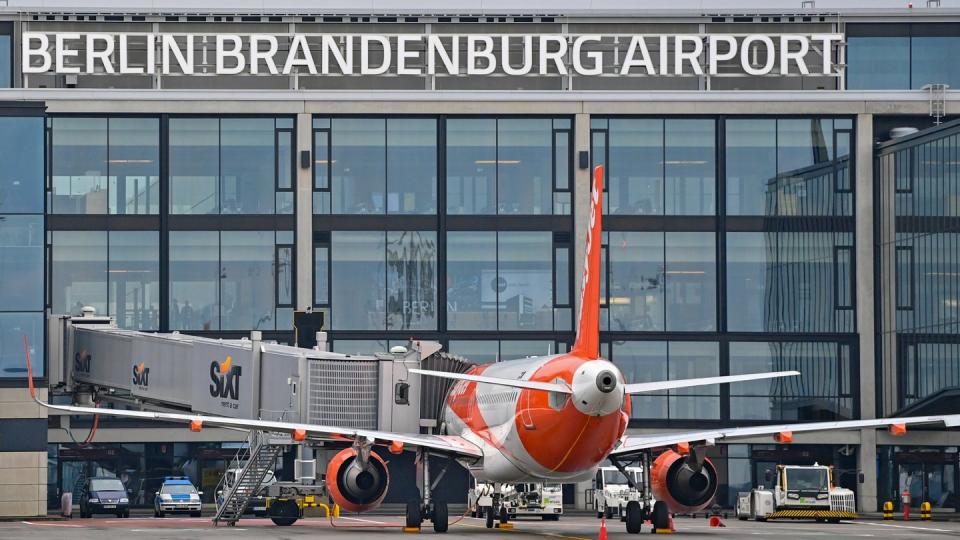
column 675, row 483
column 355, row 488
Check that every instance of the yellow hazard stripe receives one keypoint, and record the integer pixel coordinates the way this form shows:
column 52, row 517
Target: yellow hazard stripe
column 812, row 514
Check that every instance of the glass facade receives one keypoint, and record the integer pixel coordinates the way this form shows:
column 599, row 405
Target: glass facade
column 104, row 165
column 237, row 166
column 657, row 166
column 919, row 244
column 21, row 239
column 228, row 280
column 780, row 242
column 893, row 56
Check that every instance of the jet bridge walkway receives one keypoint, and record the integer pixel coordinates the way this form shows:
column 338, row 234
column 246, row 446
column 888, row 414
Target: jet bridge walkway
column 92, row 360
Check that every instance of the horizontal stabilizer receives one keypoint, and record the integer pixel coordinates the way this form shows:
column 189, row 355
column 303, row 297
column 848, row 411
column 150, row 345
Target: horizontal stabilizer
column 515, row 383
column 642, row 388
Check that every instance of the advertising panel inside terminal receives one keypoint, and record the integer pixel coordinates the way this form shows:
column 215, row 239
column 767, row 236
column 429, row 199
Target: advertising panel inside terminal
column 428, row 54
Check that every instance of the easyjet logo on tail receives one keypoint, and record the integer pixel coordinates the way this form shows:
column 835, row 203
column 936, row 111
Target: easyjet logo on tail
column 225, row 379
column 141, row 375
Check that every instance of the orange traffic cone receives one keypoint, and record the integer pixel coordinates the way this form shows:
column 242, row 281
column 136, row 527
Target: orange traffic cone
column 603, row 529
column 672, row 528
column 715, row 521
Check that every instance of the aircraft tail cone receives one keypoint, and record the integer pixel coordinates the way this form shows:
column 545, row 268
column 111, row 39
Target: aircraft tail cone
column 603, row 529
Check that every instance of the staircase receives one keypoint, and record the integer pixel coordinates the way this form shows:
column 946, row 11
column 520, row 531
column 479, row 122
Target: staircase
column 260, row 458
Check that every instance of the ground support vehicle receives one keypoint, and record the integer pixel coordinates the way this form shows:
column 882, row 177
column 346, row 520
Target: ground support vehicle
column 612, row 491
column 800, row 492
column 525, row 499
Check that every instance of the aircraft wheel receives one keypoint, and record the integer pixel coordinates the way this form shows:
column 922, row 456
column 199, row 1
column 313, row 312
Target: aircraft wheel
column 489, row 514
column 440, row 517
column 504, row 515
column 414, row 519
column 634, row 517
column 609, row 512
column 661, row 515
column 599, row 514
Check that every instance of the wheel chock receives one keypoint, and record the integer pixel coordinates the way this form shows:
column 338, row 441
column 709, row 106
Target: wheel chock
column 504, row 525
column 415, row 530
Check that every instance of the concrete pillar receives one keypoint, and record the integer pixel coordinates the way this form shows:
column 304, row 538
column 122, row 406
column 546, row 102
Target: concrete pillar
column 23, row 454
column 304, row 217
column 867, row 456
column 867, row 464
column 582, row 184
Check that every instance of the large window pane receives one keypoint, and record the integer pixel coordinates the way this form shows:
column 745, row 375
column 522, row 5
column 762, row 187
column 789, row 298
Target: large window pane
column 194, row 165
column 636, row 281
column 247, row 280
column 471, row 166
column 477, row 351
column 818, row 393
column 472, row 280
column 134, row 165
column 691, row 360
column 6, row 70
column 247, row 166
column 787, row 282
column 411, row 166
column 933, row 59
column 13, row 327
column 134, row 279
column 21, row 263
column 751, row 158
column 525, row 166
column 194, row 280
column 21, row 152
column 78, row 271
column 511, row 349
column 878, row 63
column 411, row 280
column 359, row 165
column 357, row 280
column 691, row 281
column 525, row 281
column 788, row 167
column 635, row 174
column 689, row 167
column 79, row 166
column 643, row 361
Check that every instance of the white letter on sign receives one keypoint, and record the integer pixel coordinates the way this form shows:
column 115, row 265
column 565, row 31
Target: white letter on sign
column 28, row 53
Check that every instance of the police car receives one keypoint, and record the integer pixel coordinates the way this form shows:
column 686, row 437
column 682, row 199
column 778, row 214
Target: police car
column 177, row 494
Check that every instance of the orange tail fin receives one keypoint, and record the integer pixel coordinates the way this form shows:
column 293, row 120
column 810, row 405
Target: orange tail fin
column 587, row 344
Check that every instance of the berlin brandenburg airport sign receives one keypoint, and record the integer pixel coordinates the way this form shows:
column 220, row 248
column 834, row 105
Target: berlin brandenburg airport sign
column 429, row 54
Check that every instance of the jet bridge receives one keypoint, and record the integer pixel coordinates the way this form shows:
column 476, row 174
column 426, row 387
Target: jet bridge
column 244, row 378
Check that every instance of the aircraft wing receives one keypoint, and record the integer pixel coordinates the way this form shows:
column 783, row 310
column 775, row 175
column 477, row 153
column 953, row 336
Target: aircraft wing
column 442, row 443
column 636, row 443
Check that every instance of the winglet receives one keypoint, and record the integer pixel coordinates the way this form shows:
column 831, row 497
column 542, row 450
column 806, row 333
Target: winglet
column 26, row 351
column 587, row 344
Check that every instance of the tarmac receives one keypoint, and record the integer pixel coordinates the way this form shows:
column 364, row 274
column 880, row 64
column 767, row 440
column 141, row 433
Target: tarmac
column 573, row 527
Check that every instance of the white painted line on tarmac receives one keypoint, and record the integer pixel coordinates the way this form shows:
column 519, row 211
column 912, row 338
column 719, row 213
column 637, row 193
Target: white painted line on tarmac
column 897, row 526
column 50, row 524
column 364, row 520
column 174, row 529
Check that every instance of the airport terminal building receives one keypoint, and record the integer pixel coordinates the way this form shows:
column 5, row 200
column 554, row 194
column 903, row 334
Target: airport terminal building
column 782, row 193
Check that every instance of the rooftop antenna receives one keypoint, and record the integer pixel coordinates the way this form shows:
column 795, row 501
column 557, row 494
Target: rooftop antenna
column 808, row 4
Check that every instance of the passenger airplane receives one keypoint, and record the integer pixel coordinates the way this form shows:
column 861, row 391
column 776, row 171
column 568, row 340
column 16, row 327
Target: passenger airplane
column 552, row 418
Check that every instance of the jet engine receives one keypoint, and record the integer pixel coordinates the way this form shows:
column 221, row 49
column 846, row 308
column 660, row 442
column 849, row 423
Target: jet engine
column 357, row 484
column 685, row 483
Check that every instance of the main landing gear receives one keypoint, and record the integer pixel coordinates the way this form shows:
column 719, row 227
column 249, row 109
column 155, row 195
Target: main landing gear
column 428, row 507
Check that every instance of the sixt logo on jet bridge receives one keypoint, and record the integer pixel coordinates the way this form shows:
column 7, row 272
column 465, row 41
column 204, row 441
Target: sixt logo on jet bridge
column 225, row 381
column 141, row 376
